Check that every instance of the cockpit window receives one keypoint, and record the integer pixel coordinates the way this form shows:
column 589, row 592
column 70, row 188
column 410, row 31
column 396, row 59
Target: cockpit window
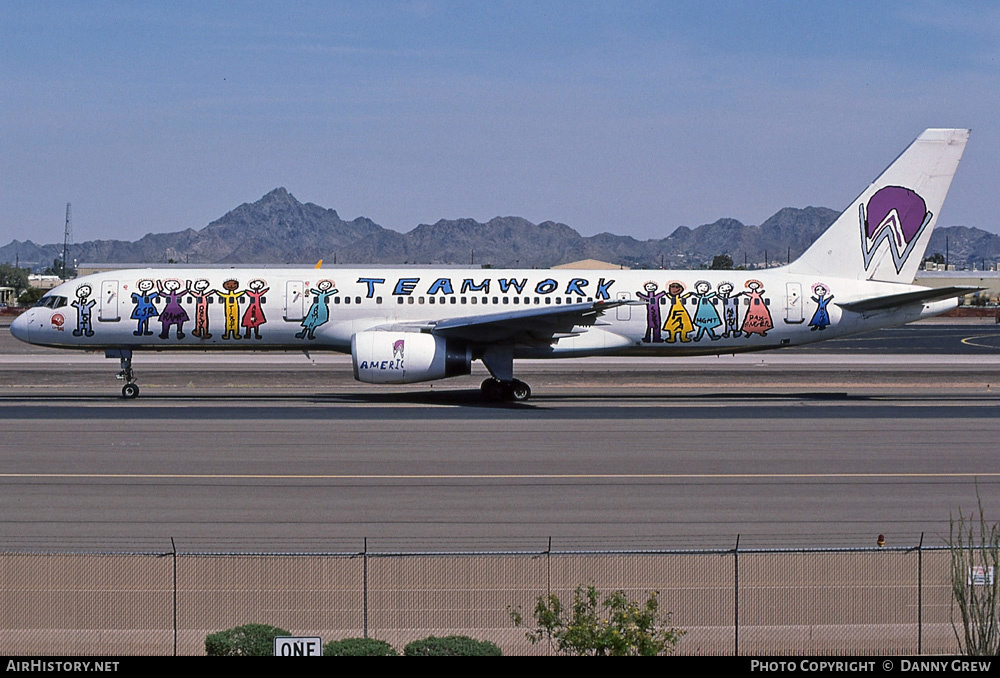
column 51, row 301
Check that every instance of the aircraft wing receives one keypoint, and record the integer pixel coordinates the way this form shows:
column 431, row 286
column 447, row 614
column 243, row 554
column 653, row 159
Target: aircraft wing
column 528, row 326
column 920, row 296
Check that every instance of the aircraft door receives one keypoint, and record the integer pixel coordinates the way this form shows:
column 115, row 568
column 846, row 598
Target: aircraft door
column 624, row 312
column 295, row 300
column 108, row 312
column 793, row 303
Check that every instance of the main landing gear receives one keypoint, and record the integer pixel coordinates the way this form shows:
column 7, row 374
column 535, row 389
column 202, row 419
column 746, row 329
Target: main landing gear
column 130, row 390
column 499, row 360
column 496, row 391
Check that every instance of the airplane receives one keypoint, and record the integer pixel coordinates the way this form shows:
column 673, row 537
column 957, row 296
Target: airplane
column 420, row 324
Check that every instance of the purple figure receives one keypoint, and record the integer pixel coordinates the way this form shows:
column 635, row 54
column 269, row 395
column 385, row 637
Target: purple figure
column 653, row 300
column 173, row 313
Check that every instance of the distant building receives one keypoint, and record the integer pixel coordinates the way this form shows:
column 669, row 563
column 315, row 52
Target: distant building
column 43, row 282
column 990, row 280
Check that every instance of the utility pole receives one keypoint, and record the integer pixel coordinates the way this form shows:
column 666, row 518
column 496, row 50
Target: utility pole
column 67, row 242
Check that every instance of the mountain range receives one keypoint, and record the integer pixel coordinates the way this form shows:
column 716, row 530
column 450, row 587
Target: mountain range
column 278, row 229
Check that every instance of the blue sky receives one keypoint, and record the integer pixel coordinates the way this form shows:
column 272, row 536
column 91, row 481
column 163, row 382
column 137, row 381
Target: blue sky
column 154, row 117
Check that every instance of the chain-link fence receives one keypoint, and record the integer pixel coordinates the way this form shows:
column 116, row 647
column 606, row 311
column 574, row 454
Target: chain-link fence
column 746, row 602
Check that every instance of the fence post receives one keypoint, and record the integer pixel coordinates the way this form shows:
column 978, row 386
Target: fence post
column 173, row 551
column 920, row 595
column 364, row 586
column 548, row 569
column 736, row 592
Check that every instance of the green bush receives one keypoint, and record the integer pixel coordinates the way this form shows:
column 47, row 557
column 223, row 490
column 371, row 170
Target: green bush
column 602, row 625
column 249, row 640
column 451, row 646
column 359, row 647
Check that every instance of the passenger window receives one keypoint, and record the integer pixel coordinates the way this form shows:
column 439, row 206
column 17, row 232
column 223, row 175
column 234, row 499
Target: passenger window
column 454, row 300
column 430, row 300
column 336, row 300
column 347, row 300
column 378, row 300
column 409, row 300
column 399, row 300
column 357, row 300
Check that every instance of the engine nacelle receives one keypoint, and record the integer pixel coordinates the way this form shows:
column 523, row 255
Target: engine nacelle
column 387, row 357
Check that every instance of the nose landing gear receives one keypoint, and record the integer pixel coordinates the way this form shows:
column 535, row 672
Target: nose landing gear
column 130, row 390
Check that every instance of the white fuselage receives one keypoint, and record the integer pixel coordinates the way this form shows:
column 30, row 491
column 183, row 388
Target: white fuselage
column 667, row 312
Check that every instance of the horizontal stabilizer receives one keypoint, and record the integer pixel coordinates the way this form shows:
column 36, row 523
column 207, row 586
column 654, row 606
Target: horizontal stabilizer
column 918, row 297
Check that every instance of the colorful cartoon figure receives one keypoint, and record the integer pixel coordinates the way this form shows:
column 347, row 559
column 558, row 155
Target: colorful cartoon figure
column 397, row 349
column 821, row 318
column 653, row 319
column 730, row 309
column 706, row 318
column 173, row 313
column 758, row 318
column 253, row 317
column 201, row 294
column 144, row 308
column 84, row 324
column 319, row 312
column 678, row 323
column 231, row 299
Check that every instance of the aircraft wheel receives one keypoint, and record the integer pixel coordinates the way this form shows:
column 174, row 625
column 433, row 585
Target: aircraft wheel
column 492, row 390
column 130, row 391
column 519, row 391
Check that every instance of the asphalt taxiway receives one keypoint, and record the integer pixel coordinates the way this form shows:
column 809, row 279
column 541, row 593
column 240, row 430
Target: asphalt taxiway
column 830, row 445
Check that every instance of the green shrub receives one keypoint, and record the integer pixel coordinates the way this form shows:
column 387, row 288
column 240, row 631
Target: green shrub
column 359, row 647
column 602, row 625
column 249, row 640
column 451, row 646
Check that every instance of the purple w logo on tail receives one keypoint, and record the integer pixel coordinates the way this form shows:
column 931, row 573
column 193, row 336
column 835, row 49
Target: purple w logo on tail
column 895, row 215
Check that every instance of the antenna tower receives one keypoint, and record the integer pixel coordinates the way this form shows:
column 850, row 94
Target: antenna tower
column 67, row 242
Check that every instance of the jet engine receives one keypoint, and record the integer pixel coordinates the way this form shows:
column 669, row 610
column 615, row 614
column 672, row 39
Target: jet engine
column 387, row 357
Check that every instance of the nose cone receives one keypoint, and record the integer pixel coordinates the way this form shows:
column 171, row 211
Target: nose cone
column 19, row 329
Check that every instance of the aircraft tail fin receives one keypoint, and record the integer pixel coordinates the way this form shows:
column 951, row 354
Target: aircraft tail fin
column 884, row 233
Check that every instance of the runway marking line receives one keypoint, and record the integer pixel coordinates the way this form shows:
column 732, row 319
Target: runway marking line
column 968, row 341
column 485, row 476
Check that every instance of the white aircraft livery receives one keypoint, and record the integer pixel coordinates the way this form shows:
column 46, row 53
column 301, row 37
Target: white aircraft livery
column 419, row 324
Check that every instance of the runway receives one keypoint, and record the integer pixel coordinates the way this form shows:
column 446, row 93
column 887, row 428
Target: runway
column 887, row 433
